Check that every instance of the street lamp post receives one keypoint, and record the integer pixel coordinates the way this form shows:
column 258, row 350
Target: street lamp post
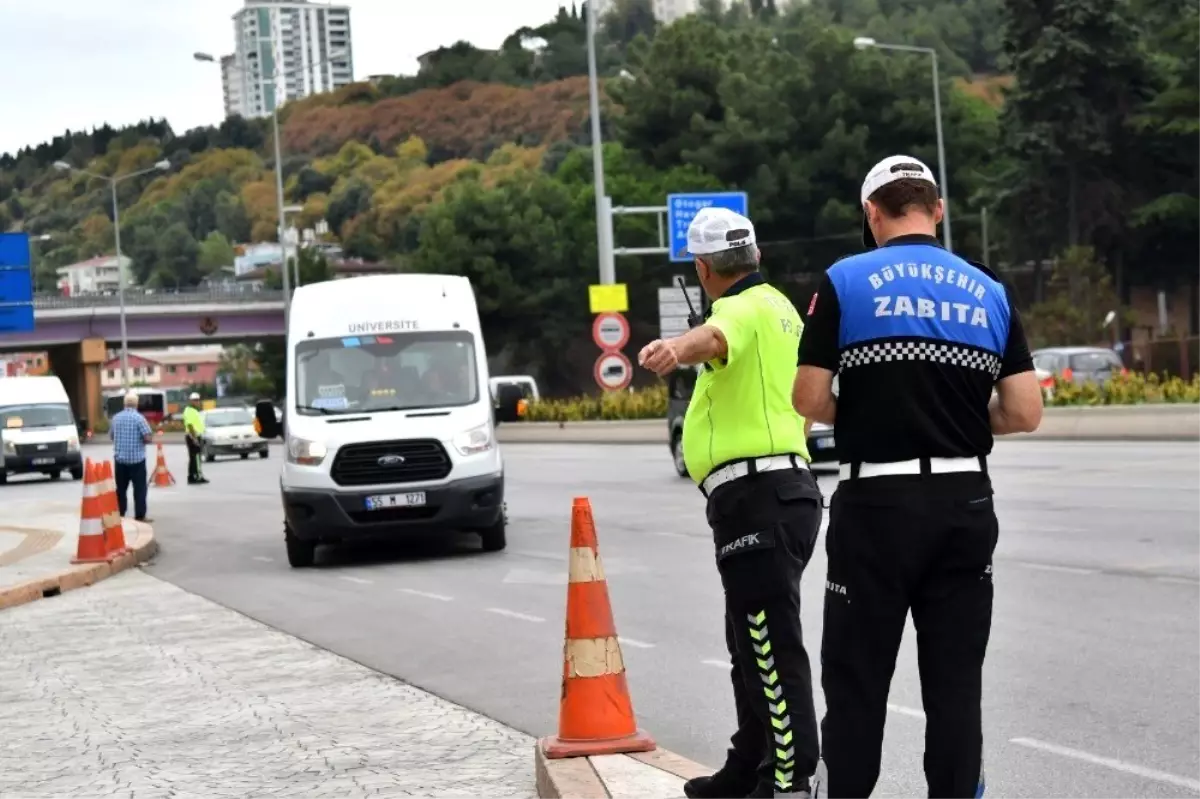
column 604, row 241
column 113, row 181
column 866, row 42
column 283, row 267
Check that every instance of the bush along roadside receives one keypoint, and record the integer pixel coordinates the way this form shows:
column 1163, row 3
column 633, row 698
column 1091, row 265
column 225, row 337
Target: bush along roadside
column 651, row 403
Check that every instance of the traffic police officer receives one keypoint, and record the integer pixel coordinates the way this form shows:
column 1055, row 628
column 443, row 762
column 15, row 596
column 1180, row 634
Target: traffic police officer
column 745, row 447
column 918, row 338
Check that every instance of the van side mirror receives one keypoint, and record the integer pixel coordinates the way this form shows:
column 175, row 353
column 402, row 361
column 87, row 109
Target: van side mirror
column 265, row 422
column 508, row 400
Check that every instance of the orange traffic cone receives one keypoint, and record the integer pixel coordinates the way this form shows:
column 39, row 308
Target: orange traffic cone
column 114, row 532
column 162, row 475
column 91, row 548
column 595, row 711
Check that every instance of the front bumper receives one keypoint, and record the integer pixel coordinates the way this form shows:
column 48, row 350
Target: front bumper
column 468, row 504
column 34, row 464
column 237, row 448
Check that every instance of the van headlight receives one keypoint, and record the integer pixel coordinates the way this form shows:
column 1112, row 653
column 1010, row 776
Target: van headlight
column 305, row 452
column 72, row 444
column 10, row 448
column 475, row 440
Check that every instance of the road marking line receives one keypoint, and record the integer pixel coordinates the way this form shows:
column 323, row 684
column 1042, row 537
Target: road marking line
column 512, row 614
column 427, row 595
column 636, row 644
column 1047, row 567
column 1179, row 580
column 262, row 559
column 720, row 664
column 358, row 580
column 665, row 534
column 906, row 711
column 1108, row 762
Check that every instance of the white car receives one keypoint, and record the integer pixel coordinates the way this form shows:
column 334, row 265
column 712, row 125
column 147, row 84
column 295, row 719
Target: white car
column 230, row 431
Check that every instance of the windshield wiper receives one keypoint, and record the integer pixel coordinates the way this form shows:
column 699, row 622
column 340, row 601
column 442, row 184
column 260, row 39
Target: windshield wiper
column 314, row 409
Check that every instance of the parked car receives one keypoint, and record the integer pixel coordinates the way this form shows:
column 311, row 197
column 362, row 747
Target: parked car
column 681, row 384
column 1078, row 365
column 230, row 431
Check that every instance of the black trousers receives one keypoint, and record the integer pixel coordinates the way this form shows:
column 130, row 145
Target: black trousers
column 765, row 527
column 898, row 544
column 193, row 450
column 134, row 474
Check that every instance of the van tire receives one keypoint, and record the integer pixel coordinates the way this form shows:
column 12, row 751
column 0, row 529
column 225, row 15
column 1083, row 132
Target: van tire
column 245, row 456
column 495, row 538
column 77, row 474
column 264, row 453
column 3, row 477
column 300, row 554
column 677, row 454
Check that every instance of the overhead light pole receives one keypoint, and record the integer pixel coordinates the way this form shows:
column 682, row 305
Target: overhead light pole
column 281, row 211
column 604, row 239
column 113, row 181
column 866, row 43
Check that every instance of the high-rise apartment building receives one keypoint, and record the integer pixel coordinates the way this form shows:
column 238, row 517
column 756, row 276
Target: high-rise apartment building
column 285, row 50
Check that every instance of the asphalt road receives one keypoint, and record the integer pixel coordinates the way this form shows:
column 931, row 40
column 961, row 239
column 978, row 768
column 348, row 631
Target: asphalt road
column 1092, row 686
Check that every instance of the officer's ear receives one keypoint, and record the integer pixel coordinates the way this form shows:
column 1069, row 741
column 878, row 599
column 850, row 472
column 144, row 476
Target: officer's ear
column 939, row 211
column 702, row 270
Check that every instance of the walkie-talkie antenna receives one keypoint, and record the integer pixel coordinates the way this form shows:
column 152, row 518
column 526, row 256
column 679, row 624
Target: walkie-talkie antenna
column 694, row 319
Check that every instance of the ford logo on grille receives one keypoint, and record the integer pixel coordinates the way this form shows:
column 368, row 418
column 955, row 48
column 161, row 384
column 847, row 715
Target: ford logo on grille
column 391, row 460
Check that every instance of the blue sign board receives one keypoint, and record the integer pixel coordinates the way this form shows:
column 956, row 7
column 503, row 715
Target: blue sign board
column 681, row 208
column 16, row 284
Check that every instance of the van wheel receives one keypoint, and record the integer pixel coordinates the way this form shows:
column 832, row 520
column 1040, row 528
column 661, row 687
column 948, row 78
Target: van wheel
column 54, row 475
column 245, row 456
column 495, row 538
column 677, row 455
column 208, row 456
column 264, row 453
column 300, row 554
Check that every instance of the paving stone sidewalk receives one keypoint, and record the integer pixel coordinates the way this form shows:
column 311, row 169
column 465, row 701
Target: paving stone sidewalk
column 135, row 688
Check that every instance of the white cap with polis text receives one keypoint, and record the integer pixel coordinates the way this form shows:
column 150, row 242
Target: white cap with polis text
column 193, row 396
column 889, row 170
column 718, row 229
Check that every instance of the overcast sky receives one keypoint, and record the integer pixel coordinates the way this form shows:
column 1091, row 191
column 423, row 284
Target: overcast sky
column 74, row 64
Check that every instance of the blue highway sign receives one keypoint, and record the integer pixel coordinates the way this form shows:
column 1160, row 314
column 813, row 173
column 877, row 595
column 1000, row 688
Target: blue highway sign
column 681, row 208
column 16, row 284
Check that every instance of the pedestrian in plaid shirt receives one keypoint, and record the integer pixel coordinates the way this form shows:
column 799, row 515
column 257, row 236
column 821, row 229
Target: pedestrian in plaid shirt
column 130, row 433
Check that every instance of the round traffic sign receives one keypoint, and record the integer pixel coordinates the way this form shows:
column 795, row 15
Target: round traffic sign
column 610, row 331
column 613, row 371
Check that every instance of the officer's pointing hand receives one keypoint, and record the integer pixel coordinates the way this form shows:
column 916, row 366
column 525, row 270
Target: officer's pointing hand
column 659, row 357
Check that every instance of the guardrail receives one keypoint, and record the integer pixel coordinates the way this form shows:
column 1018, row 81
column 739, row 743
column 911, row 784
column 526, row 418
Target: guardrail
column 1107, row 423
column 143, row 297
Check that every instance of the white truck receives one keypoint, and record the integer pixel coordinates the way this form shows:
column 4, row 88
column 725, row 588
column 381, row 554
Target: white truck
column 388, row 421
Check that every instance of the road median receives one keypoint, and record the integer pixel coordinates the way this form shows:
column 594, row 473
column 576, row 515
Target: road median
column 1103, row 423
column 35, row 557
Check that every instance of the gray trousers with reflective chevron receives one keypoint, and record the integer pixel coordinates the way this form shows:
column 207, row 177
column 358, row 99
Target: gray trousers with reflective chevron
column 764, row 529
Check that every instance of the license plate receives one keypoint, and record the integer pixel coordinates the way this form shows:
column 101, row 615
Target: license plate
column 241, row 446
column 825, row 443
column 413, row 500
column 43, row 461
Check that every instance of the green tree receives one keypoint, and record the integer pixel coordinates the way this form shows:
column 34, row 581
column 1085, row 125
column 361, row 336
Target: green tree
column 231, row 218
column 176, row 263
column 1079, row 296
column 215, row 253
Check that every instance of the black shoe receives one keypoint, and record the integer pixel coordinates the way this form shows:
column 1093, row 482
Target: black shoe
column 725, row 784
column 766, row 789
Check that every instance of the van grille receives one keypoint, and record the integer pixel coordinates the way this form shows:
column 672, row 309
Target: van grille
column 36, row 450
column 358, row 464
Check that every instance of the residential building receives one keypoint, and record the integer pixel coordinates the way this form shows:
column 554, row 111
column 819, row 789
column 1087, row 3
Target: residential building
column 24, row 364
column 175, row 367
column 94, row 276
column 294, row 39
column 254, row 256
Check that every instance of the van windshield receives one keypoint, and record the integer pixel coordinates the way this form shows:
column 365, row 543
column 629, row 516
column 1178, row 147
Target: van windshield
column 402, row 371
column 23, row 417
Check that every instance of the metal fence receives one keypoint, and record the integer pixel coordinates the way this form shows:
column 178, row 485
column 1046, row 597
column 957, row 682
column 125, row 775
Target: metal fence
column 1174, row 356
column 142, row 297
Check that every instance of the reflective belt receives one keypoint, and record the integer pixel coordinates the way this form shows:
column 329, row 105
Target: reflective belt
column 735, row 471
column 916, row 466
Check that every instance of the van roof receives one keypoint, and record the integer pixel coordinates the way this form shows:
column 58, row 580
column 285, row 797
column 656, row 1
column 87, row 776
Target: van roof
column 17, row 390
column 329, row 308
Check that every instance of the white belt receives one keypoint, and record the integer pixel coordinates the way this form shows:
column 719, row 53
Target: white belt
column 736, row 471
column 936, row 466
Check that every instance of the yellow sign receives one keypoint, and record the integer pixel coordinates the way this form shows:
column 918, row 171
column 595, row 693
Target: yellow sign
column 608, row 299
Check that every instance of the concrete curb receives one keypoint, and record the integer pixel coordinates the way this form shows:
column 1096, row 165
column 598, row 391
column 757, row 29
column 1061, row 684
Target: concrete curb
column 143, row 546
column 577, row 778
